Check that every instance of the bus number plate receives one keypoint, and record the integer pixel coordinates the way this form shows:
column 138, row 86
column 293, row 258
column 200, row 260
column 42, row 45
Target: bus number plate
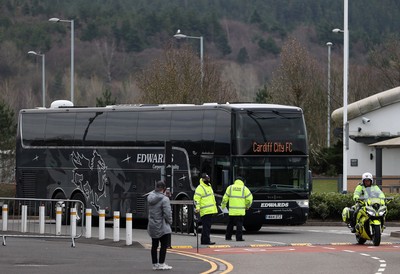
column 273, row 217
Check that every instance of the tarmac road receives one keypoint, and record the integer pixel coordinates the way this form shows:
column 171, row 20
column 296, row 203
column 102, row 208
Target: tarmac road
column 275, row 249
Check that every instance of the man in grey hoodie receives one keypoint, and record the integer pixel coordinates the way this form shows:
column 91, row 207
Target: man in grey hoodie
column 159, row 224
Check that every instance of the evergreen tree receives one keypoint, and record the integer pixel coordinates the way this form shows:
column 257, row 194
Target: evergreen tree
column 243, row 56
column 262, row 95
column 106, row 99
column 7, row 142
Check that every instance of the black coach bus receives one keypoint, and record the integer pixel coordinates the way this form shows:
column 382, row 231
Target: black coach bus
column 110, row 157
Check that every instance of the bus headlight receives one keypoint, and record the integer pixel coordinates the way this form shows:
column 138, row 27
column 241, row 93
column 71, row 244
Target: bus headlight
column 302, row 203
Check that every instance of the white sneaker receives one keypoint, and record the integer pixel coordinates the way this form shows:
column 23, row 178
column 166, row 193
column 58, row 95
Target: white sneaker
column 156, row 266
column 164, row 266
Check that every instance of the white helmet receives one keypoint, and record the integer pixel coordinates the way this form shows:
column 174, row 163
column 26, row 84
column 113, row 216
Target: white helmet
column 367, row 176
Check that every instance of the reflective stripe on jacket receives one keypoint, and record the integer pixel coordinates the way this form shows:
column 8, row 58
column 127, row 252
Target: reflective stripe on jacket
column 361, row 191
column 239, row 198
column 204, row 199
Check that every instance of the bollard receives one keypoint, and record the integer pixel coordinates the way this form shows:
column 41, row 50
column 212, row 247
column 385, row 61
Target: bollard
column 88, row 223
column 5, row 217
column 116, row 226
column 58, row 220
column 24, row 218
column 41, row 219
column 102, row 224
column 73, row 222
column 128, row 228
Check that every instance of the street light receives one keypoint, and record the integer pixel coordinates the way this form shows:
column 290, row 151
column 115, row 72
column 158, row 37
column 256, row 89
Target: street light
column 72, row 52
column 345, row 32
column 180, row 35
column 43, row 76
column 337, row 31
column 328, row 142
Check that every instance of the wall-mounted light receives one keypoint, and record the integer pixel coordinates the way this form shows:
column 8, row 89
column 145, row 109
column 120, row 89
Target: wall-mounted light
column 365, row 120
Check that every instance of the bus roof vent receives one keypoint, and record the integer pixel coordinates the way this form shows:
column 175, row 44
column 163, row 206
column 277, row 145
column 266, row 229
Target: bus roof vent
column 210, row 104
column 61, row 103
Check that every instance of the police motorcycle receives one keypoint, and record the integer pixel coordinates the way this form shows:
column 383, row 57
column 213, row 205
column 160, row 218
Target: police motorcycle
column 370, row 217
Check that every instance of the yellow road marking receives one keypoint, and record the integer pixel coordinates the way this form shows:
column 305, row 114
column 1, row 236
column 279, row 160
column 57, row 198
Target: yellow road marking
column 300, row 244
column 261, row 245
column 209, row 259
column 341, row 243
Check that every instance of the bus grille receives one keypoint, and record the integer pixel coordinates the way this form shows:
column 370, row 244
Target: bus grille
column 28, row 184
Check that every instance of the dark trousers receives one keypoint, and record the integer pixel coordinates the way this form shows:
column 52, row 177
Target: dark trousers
column 206, row 221
column 238, row 222
column 164, row 240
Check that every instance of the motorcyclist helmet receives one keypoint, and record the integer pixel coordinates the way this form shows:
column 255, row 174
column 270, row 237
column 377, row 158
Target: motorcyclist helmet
column 367, row 179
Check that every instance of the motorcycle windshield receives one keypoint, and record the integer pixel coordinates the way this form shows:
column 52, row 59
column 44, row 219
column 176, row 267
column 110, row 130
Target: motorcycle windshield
column 374, row 192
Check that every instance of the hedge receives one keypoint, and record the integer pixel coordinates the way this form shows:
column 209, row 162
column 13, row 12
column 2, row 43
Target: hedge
column 329, row 206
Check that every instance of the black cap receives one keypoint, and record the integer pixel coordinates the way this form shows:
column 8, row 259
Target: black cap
column 205, row 176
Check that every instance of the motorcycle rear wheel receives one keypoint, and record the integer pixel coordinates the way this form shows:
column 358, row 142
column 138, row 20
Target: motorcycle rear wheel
column 376, row 234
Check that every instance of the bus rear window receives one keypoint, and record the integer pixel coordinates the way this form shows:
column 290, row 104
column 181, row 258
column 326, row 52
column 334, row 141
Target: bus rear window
column 32, row 129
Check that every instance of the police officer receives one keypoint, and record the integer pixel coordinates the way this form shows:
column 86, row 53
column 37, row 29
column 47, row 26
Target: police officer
column 366, row 186
column 240, row 200
column 205, row 205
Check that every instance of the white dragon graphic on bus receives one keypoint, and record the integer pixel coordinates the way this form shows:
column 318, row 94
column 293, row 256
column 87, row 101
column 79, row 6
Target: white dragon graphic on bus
column 90, row 176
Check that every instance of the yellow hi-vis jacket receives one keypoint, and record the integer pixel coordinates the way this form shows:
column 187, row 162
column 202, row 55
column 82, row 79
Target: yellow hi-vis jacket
column 239, row 198
column 204, row 199
column 361, row 191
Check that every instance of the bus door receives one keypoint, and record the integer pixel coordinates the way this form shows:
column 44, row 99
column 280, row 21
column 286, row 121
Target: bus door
column 218, row 169
column 168, row 172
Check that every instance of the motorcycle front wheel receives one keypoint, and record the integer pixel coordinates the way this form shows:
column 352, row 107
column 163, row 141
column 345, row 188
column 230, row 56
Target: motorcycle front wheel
column 376, row 234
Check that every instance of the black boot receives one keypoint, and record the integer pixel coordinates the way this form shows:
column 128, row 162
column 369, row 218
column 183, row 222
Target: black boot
column 352, row 226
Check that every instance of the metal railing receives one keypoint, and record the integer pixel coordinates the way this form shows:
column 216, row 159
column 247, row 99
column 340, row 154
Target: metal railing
column 41, row 218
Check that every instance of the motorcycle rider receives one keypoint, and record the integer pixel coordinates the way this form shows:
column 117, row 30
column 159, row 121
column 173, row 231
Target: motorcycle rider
column 362, row 191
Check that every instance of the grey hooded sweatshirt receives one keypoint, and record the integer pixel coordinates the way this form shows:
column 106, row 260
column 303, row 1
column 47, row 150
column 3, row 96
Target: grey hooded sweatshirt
column 160, row 215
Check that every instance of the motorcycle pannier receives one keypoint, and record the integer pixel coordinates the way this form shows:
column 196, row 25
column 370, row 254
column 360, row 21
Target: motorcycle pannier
column 346, row 215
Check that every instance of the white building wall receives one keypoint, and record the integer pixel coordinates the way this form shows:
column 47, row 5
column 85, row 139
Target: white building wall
column 383, row 122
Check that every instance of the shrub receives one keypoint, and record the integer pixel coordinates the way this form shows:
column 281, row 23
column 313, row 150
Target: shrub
column 329, row 206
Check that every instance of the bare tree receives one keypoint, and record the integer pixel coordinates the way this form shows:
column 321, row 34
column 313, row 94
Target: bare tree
column 299, row 81
column 177, row 78
column 106, row 50
column 385, row 58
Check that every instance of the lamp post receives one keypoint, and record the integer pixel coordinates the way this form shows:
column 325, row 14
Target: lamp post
column 345, row 32
column 180, row 35
column 43, row 76
column 328, row 133
column 72, row 51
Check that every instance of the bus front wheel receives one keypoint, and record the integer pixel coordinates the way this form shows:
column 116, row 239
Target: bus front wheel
column 184, row 217
column 253, row 227
column 61, row 197
column 80, row 207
